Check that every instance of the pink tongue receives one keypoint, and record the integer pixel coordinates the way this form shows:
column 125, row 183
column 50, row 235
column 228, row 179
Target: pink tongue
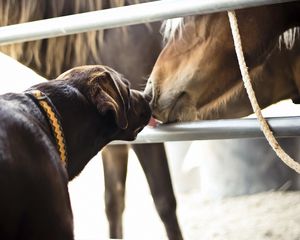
column 152, row 122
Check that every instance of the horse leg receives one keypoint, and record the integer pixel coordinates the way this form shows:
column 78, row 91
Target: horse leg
column 115, row 159
column 153, row 160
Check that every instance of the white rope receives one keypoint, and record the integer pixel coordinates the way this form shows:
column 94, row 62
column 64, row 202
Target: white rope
column 247, row 82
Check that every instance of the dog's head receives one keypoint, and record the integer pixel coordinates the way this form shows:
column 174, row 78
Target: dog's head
column 111, row 95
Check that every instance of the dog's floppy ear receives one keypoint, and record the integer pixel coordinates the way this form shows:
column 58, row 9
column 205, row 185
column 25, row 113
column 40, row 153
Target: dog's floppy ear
column 106, row 94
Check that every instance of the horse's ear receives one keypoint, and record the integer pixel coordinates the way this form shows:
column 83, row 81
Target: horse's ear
column 106, row 94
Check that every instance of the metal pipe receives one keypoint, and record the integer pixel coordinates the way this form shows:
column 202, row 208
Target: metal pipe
column 217, row 129
column 122, row 16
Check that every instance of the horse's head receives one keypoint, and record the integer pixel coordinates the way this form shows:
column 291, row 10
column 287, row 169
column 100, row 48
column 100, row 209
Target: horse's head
column 196, row 75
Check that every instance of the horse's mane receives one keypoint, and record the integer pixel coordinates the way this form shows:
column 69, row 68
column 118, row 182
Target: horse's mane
column 172, row 28
column 50, row 55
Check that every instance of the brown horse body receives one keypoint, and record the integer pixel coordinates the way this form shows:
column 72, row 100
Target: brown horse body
column 197, row 76
column 131, row 51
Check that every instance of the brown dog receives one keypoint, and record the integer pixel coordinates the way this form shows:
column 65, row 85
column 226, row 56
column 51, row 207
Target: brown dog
column 68, row 119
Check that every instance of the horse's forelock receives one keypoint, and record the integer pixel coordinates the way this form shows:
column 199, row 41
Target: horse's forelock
column 170, row 27
column 289, row 37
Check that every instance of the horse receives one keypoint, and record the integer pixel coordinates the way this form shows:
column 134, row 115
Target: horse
column 131, row 51
column 196, row 76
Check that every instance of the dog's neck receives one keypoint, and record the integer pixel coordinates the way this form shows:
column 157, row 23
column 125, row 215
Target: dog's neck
column 85, row 131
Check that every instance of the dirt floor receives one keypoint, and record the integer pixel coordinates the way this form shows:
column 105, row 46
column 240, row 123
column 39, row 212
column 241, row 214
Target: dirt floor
column 265, row 216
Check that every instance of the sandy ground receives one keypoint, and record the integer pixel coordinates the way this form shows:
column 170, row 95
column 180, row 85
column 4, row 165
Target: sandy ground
column 265, row 216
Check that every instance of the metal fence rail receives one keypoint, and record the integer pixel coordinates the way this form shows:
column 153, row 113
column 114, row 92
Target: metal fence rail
column 122, row 16
column 217, row 129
